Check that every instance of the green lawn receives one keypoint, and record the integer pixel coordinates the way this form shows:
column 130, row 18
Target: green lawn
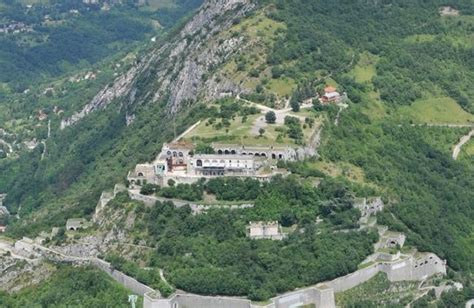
column 236, row 128
column 241, row 133
column 436, row 110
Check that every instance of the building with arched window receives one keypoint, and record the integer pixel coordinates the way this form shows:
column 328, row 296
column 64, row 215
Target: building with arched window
column 223, row 165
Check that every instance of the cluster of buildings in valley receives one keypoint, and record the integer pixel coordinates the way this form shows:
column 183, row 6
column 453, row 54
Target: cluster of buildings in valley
column 179, row 162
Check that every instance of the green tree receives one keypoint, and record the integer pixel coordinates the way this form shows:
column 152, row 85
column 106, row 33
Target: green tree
column 270, row 117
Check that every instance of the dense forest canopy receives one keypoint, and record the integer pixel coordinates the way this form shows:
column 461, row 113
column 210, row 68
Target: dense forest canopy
column 58, row 37
column 211, row 254
column 325, row 36
column 70, row 287
column 436, row 194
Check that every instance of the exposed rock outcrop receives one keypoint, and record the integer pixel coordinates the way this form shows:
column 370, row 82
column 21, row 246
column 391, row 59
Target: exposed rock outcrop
column 180, row 70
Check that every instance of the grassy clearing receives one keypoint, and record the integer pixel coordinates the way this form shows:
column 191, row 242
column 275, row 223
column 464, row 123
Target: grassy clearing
column 236, row 128
column 364, row 71
column 259, row 26
column 374, row 108
column 282, row 86
column 436, row 110
column 347, row 170
column 241, row 133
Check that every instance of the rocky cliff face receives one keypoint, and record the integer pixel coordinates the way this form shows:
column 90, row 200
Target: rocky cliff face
column 181, row 70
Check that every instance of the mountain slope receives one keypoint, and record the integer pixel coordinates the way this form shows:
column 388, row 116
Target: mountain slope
column 389, row 56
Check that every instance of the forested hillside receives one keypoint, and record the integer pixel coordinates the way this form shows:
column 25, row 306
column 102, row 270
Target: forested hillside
column 49, row 38
column 78, row 287
column 403, row 64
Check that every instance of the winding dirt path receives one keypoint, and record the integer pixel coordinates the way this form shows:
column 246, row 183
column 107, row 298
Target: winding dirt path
column 462, row 141
column 187, row 131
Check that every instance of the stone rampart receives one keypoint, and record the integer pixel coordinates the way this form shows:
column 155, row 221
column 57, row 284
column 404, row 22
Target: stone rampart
column 195, row 207
column 322, row 296
column 414, row 269
column 125, row 280
column 195, row 301
column 352, row 280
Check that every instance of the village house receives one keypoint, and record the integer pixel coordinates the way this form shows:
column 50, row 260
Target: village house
column 330, row 95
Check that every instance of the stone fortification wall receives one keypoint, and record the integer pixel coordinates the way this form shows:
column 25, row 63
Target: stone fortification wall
column 195, row 301
column 30, row 248
column 414, row 269
column 349, row 281
column 127, row 281
column 405, row 269
column 195, row 207
column 322, row 297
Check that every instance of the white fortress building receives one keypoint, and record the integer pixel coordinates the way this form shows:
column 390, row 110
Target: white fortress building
column 177, row 161
column 265, row 230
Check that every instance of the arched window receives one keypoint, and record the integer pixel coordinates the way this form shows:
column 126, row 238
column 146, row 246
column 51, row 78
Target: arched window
column 180, row 154
column 219, row 152
column 226, row 152
column 274, row 156
column 175, row 154
column 140, row 173
column 264, row 154
column 199, row 163
column 232, row 152
column 280, row 156
column 168, row 153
